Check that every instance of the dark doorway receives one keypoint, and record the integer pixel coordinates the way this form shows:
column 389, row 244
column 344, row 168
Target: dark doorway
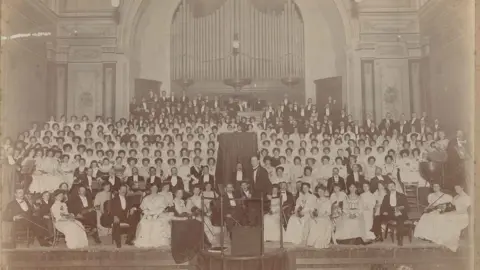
column 329, row 87
column 143, row 86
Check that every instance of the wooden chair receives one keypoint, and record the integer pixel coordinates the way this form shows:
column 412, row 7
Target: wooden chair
column 411, row 191
column 410, row 223
column 57, row 235
column 123, row 229
column 391, row 229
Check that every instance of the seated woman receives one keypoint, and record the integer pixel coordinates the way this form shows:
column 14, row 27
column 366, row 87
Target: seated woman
column 369, row 202
column 448, row 226
column 194, row 204
column 296, row 233
column 99, row 203
column 75, row 235
column 350, row 226
column 154, row 227
column 409, row 169
column 271, row 220
column 428, row 225
column 320, row 225
column 182, row 211
column 46, row 176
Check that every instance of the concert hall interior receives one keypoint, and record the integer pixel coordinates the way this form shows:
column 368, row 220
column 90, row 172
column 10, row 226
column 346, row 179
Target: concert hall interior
column 237, row 134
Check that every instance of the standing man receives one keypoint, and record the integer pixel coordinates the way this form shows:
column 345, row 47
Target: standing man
column 260, row 185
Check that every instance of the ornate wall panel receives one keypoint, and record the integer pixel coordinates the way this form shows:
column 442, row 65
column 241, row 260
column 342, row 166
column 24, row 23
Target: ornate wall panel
column 109, row 82
column 415, row 86
column 368, row 87
column 391, row 87
column 62, row 80
column 85, row 91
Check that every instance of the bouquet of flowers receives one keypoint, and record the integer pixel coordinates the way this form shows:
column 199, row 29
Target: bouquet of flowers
column 299, row 213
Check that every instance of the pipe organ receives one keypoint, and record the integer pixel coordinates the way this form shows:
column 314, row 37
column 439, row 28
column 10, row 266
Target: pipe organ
column 217, row 40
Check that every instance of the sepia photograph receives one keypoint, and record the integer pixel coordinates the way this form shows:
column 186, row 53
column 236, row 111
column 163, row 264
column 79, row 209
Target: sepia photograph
column 238, row 134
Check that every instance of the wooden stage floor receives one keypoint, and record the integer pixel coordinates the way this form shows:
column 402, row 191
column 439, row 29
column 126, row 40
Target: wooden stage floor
column 418, row 254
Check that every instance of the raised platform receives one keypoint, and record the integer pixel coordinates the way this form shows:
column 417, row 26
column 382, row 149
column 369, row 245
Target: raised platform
column 419, row 255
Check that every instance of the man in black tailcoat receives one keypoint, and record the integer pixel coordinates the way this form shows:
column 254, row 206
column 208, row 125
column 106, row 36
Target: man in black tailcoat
column 260, row 185
column 20, row 212
column 395, row 208
column 123, row 212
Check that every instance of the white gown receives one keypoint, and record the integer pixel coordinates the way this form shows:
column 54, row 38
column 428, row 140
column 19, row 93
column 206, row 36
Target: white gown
column 409, row 172
column 154, row 229
column 444, row 229
column 208, row 228
column 271, row 221
column 368, row 201
column 296, row 232
column 350, row 225
column 75, row 235
column 320, row 227
column 46, row 176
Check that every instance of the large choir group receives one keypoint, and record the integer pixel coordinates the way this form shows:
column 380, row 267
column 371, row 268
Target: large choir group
column 329, row 178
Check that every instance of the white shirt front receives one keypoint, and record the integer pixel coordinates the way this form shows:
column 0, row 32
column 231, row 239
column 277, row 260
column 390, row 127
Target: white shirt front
column 255, row 175
column 232, row 202
column 111, row 179
column 356, row 177
column 84, row 201
column 123, row 202
column 152, row 179
column 174, row 180
column 239, row 176
column 23, row 205
column 284, row 196
column 393, row 199
column 206, row 178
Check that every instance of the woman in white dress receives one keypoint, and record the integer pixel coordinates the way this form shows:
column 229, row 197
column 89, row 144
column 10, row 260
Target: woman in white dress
column 448, row 226
column 166, row 194
column 75, row 235
column 409, row 170
column 100, row 199
column 194, row 205
column 66, row 169
column 350, row 226
column 377, row 219
column 209, row 195
column 425, row 229
column 368, row 202
column 271, row 220
column 296, row 233
column 154, row 227
column 320, row 224
column 46, row 176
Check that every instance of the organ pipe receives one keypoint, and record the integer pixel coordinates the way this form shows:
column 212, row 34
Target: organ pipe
column 271, row 41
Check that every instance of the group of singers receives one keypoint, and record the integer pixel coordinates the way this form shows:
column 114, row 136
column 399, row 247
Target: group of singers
column 324, row 176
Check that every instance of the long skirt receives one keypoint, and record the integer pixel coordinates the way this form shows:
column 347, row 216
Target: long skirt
column 74, row 232
column 210, row 231
column 349, row 228
column 319, row 232
column 443, row 229
column 368, row 224
column 271, row 223
column 296, row 233
column 154, row 231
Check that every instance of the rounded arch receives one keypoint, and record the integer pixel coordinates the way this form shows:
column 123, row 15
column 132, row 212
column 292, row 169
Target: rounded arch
column 144, row 38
